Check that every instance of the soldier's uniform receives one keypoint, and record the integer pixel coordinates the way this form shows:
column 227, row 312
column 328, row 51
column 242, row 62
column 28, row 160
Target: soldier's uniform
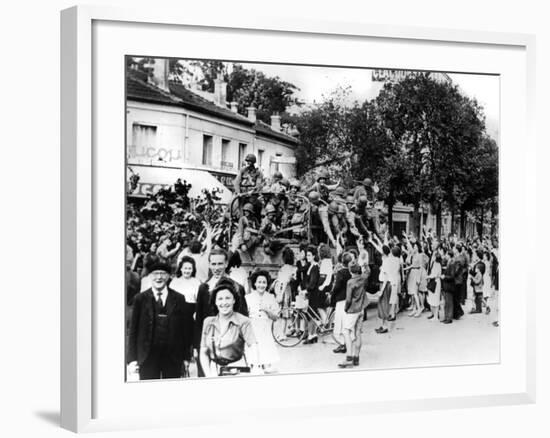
column 268, row 229
column 247, row 235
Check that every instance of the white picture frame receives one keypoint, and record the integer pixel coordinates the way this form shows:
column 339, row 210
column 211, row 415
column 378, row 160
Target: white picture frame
column 82, row 204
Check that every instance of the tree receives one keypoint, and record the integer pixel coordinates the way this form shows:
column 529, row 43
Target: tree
column 436, row 132
column 248, row 87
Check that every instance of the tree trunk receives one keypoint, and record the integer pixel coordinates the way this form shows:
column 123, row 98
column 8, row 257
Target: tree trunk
column 462, row 222
column 438, row 220
column 415, row 223
column 453, row 228
column 390, row 201
column 481, row 223
column 493, row 217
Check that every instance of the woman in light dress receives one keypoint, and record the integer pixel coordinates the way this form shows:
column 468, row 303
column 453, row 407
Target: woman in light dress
column 487, row 281
column 262, row 310
column 187, row 284
column 434, row 297
column 415, row 262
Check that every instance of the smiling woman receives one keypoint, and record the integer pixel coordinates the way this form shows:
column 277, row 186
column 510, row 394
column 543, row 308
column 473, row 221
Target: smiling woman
column 225, row 335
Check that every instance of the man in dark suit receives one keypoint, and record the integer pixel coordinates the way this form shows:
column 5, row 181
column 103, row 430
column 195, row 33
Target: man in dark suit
column 218, row 263
column 161, row 328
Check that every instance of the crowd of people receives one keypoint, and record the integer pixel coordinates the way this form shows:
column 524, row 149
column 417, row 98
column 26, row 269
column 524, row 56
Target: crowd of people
column 190, row 299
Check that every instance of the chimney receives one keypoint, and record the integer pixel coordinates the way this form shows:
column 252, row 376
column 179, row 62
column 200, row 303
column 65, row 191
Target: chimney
column 234, row 107
column 220, row 91
column 251, row 113
column 159, row 75
column 276, row 122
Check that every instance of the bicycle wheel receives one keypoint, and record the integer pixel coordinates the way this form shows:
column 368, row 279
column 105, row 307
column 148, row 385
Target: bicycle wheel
column 287, row 329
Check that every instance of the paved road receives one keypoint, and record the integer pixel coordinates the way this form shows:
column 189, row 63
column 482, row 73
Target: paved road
column 410, row 342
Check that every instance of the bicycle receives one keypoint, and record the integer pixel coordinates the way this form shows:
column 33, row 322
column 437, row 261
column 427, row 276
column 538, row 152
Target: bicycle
column 288, row 328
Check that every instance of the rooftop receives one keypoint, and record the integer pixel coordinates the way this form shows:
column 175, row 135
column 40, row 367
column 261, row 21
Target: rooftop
column 138, row 89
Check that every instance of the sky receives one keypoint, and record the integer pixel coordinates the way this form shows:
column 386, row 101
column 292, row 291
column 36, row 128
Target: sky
column 314, row 82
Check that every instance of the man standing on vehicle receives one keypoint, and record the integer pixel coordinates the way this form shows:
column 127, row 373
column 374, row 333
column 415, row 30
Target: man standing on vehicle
column 250, row 178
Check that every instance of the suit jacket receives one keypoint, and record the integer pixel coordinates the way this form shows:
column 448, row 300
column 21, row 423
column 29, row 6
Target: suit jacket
column 180, row 326
column 203, row 307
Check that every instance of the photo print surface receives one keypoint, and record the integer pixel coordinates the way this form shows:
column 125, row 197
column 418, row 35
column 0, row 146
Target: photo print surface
column 302, row 219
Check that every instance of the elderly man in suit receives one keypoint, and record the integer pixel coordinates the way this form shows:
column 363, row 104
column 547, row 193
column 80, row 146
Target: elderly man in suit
column 204, row 308
column 161, row 328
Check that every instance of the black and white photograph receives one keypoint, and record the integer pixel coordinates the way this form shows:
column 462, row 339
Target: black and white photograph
column 285, row 219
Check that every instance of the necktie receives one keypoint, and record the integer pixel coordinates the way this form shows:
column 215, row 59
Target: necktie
column 159, row 299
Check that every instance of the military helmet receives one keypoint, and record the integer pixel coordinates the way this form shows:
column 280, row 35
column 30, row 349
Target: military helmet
column 248, row 207
column 340, row 192
column 314, row 196
column 278, row 175
column 333, row 207
column 367, row 182
column 322, row 174
column 269, row 209
column 285, row 182
column 251, row 158
column 341, row 209
column 362, row 200
column 294, row 183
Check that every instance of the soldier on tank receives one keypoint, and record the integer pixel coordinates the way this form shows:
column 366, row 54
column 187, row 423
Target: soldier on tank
column 268, row 230
column 369, row 190
column 316, row 208
column 338, row 195
column 322, row 187
column 250, row 177
column 247, row 235
column 277, row 183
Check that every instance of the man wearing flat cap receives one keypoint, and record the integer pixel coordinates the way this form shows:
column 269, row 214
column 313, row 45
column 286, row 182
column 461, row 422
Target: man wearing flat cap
column 161, row 328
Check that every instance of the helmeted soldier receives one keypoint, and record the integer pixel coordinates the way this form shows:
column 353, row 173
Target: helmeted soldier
column 269, row 229
column 250, row 178
column 277, row 184
column 369, row 190
column 247, row 235
column 322, row 187
column 338, row 195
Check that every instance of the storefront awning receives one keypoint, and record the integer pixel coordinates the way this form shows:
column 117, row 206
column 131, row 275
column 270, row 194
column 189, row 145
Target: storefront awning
column 152, row 179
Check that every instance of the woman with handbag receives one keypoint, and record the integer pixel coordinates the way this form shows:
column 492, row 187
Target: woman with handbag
column 225, row 335
column 434, row 287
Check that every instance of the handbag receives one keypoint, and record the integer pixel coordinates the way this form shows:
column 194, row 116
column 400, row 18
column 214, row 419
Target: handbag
column 432, row 284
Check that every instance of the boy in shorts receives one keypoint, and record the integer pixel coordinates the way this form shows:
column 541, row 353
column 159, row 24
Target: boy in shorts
column 356, row 302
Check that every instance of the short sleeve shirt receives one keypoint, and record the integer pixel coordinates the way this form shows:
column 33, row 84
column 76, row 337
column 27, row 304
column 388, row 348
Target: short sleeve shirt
column 227, row 346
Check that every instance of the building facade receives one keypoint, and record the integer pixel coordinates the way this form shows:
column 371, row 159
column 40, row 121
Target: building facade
column 173, row 131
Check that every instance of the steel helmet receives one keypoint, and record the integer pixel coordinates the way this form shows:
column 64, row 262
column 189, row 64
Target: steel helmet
column 278, row 175
column 340, row 191
column 314, row 196
column 251, row 158
column 294, row 183
column 285, row 182
column 248, row 207
column 367, row 182
column 269, row 209
column 341, row 209
column 333, row 207
column 322, row 174
column 362, row 200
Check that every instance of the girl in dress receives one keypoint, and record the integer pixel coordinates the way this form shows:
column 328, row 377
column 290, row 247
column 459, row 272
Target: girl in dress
column 487, row 281
column 413, row 280
column 434, row 281
column 312, row 281
column 326, row 269
column 187, row 284
column 263, row 309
